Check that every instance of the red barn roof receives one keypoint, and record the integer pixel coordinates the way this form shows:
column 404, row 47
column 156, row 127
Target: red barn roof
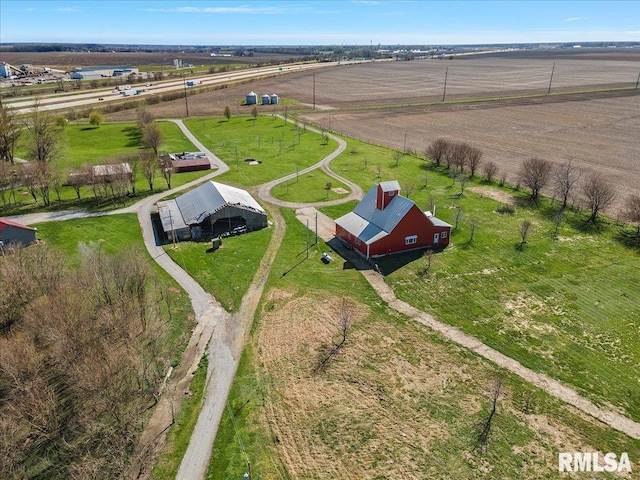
column 5, row 222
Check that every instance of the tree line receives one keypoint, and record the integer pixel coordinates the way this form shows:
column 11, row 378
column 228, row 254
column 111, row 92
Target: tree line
column 567, row 182
column 43, row 177
column 82, row 359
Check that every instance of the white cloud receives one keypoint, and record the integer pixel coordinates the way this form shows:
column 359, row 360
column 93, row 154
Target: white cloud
column 573, row 19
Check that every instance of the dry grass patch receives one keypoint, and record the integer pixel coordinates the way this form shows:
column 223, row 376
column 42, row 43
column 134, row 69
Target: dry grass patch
column 394, row 403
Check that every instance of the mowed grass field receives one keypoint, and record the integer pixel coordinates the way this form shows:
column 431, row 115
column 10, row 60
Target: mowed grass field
column 565, row 306
column 80, row 144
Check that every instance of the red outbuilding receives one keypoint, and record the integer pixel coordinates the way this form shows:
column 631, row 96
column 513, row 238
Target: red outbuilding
column 385, row 222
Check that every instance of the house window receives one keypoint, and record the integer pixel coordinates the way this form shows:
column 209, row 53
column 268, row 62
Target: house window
column 443, row 235
column 410, row 240
column 392, row 193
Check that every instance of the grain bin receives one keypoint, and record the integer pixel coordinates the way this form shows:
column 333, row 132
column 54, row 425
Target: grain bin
column 251, row 98
column 274, row 99
column 266, row 99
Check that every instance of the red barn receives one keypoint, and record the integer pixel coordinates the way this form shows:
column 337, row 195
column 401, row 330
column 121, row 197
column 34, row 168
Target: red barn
column 385, row 222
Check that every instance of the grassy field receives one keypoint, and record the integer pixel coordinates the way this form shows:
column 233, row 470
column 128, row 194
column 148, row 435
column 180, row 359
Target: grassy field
column 567, row 306
column 81, row 144
column 315, row 186
column 282, row 148
column 397, row 402
column 227, row 272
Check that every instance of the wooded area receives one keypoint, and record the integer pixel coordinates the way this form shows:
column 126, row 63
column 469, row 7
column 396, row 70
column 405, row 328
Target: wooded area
column 82, row 359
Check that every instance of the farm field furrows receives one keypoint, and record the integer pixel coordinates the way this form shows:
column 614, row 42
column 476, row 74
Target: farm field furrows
column 597, row 135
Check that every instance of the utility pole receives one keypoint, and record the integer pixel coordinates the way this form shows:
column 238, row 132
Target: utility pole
column 444, row 92
column 550, row 79
column 314, row 90
column 186, row 102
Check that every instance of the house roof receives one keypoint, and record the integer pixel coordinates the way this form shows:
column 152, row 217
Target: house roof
column 211, row 197
column 5, row 222
column 368, row 223
column 194, row 206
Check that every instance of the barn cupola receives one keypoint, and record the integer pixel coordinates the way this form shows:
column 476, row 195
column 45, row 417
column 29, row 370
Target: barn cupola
column 386, row 192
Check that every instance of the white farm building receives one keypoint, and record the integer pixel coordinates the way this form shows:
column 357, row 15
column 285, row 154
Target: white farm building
column 213, row 209
column 100, row 72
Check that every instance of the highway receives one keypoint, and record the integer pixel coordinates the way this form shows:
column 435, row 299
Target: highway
column 84, row 99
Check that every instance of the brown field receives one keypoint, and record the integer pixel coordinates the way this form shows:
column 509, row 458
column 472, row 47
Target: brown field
column 381, row 102
column 67, row 60
column 395, row 403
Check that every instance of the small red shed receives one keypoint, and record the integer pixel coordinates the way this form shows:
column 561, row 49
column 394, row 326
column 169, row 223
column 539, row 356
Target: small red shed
column 385, row 222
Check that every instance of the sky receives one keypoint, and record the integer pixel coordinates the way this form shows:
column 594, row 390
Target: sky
column 307, row 22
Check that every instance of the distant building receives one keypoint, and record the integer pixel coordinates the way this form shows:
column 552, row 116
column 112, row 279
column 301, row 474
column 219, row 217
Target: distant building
column 186, row 161
column 14, row 233
column 212, row 208
column 385, row 222
column 100, row 72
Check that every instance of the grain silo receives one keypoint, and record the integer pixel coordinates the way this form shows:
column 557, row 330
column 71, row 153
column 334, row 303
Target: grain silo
column 266, row 99
column 274, row 99
column 251, row 98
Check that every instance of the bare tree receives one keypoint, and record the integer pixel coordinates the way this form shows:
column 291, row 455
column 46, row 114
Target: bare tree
column 144, row 118
column 408, row 189
column 437, row 150
column 44, row 139
column 76, row 179
column 632, row 210
column 9, row 133
column 472, row 159
column 227, row 112
column 428, row 255
column 566, row 178
column 149, row 166
column 457, row 217
column 84, row 368
column 472, row 231
column 456, row 155
column 8, row 182
column 396, row 157
column 483, row 436
column 534, row 174
column 344, row 322
column 490, row 170
column 152, row 138
column 524, row 231
column 39, row 178
column 166, row 166
column 598, row 195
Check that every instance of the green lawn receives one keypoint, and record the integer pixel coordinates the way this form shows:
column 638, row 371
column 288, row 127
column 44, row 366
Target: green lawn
column 81, row 144
column 315, row 186
column 227, row 272
column 565, row 307
column 282, row 148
